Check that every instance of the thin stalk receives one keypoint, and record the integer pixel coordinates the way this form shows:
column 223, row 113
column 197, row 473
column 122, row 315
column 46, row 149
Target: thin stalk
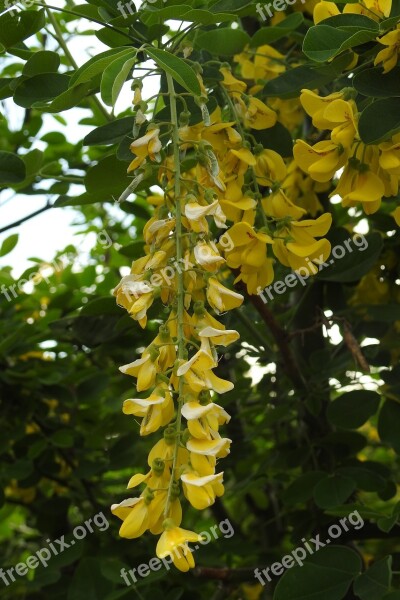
column 181, row 290
column 70, row 58
column 72, row 12
column 243, row 134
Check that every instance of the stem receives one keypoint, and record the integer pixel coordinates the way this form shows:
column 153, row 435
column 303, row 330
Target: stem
column 181, row 291
column 243, row 134
column 20, row 221
column 60, row 39
column 76, row 14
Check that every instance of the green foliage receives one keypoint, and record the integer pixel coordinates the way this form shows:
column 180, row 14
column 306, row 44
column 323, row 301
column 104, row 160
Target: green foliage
column 307, row 450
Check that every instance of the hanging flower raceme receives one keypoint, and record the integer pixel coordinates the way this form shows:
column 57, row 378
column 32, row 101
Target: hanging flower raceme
column 176, row 375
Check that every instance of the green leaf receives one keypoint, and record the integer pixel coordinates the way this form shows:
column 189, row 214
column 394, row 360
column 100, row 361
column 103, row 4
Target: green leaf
column 87, row 582
column 349, row 268
column 43, row 61
column 98, row 64
column 290, row 83
column 177, row 68
column 374, row 82
column 392, row 596
column 333, row 490
column 68, row 99
column 276, row 138
column 63, row 438
column 15, row 28
column 111, row 38
column 336, row 34
column 386, row 524
column 9, row 244
column 266, row 35
column 111, row 133
column 375, row 582
column 301, row 490
column 40, row 88
column 353, row 409
column 107, row 179
column 133, row 250
column 380, row 120
column 5, row 87
column 366, row 475
column 229, row 6
column 327, row 574
column 223, row 42
column 185, row 12
column 12, row 169
column 114, row 78
column 101, row 306
column 389, row 424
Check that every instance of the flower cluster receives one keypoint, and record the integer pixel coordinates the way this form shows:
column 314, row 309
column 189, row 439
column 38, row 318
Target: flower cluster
column 181, row 269
column 369, row 172
column 229, row 204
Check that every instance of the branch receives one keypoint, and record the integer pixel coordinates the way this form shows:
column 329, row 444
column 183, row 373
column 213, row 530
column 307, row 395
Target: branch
column 281, row 338
column 34, row 214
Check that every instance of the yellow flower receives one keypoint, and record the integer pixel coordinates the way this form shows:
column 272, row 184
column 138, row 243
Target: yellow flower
column 201, row 491
column 145, row 369
column 196, row 216
column 297, row 247
column 156, row 230
column 389, row 159
column 147, row 146
column 157, row 410
column 230, row 82
column 332, row 112
column 279, row 206
column 135, row 515
column 197, row 371
column 207, row 256
column 289, row 112
column 360, row 186
column 320, row 161
column 135, row 296
column 218, row 447
column 238, row 161
column 266, row 63
column 173, row 542
column 256, row 114
column 250, row 256
column 164, row 450
column 269, row 168
column 221, row 298
column 203, row 420
column 220, row 337
column 374, row 9
column 323, row 10
column 157, row 477
column 389, row 56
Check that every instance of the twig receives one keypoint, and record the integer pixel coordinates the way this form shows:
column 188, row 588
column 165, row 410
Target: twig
column 34, row 214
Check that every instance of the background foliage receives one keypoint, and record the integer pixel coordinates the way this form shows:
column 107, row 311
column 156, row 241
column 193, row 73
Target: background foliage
column 316, row 437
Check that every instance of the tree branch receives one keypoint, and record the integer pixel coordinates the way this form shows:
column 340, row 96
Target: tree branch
column 281, row 338
column 34, row 214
